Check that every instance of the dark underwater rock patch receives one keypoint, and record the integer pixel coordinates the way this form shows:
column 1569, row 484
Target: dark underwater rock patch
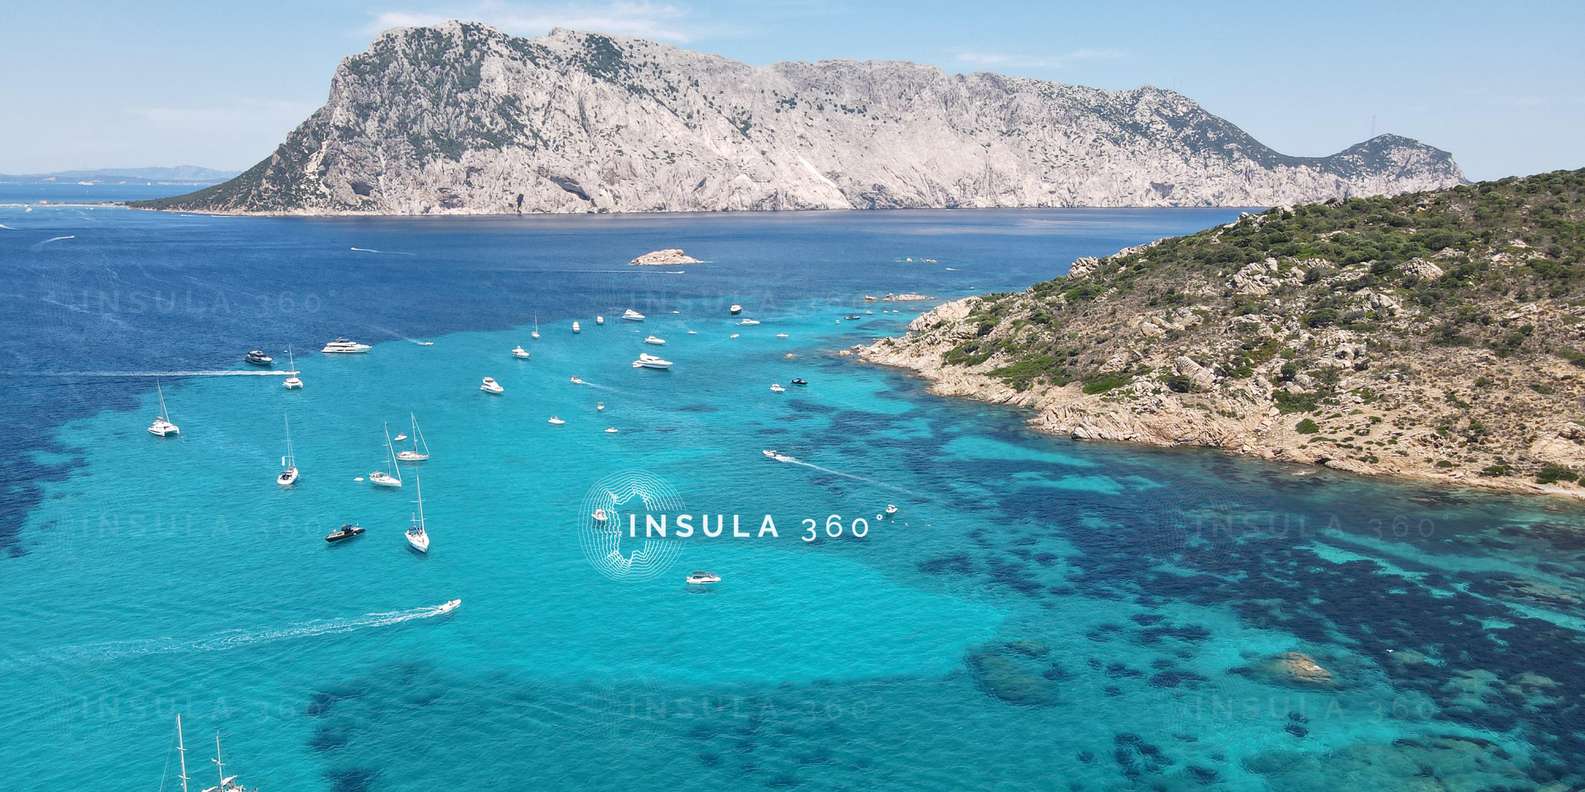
column 1016, row 672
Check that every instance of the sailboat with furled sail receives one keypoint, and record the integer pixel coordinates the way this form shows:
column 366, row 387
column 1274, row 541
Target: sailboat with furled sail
column 162, row 426
column 227, row 783
column 392, row 475
column 289, row 472
column 417, row 532
column 420, row 450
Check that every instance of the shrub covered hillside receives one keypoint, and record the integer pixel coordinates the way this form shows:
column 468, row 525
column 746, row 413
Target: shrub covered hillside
column 1432, row 334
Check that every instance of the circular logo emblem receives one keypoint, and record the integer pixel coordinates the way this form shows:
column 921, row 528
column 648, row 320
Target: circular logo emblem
column 603, row 525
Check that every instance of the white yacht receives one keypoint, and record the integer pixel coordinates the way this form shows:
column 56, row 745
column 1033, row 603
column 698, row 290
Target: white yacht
column 610, row 430
column 599, row 319
column 555, row 421
column 702, row 578
column 654, row 340
column 748, row 322
column 489, row 385
column 162, row 426
column 392, row 475
column 419, row 452
column 736, row 309
column 292, row 382
column 400, row 436
column 575, row 379
column 651, row 362
column 631, row 315
column 343, row 346
column 599, row 406
column 519, row 352
column 289, row 472
column 775, row 387
column 781, row 335
column 891, row 508
column 418, row 534
column 575, row 327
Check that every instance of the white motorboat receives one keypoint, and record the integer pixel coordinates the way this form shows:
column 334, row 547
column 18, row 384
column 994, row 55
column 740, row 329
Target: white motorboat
column 736, row 309
column 599, row 319
column 399, row 437
column 489, row 385
column 289, row 472
column 870, row 298
column 419, row 452
column 535, row 335
column 292, row 382
column 748, row 322
column 162, row 426
column 575, row 379
column 600, row 515
column 343, row 346
column 576, row 328
column 610, row 430
column 654, row 340
column 599, row 406
column 775, row 387
column 392, row 475
column 651, row 362
column 771, row 453
column 555, row 420
column 519, row 352
column 631, row 315
column 693, row 332
column 734, row 335
column 447, row 607
column 702, row 578
column 418, row 534
column 891, row 508
column 781, row 335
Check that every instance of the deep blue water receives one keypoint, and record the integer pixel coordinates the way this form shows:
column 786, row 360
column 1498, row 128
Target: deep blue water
column 1040, row 615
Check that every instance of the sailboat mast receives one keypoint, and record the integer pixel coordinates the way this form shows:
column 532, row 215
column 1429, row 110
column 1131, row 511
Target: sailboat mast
column 181, row 750
column 390, row 455
column 420, row 484
column 220, row 767
column 161, row 391
column 291, row 459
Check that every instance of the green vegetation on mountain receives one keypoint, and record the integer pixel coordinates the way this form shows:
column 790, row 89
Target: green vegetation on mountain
column 1438, row 333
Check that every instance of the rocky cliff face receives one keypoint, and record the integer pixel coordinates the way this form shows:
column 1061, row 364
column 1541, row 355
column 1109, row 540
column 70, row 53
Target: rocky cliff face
column 460, row 118
column 1436, row 335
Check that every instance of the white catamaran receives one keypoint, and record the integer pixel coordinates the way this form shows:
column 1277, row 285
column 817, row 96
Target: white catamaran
column 162, row 426
column 392, row 475
column 417, row 534
column 420, row 450
column 288, row 474
column 292, row 382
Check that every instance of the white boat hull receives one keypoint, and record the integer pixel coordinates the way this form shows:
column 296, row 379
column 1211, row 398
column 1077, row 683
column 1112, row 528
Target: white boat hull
column 287, row 478
column 411, row 456
column 380, row 478
column 420, row 542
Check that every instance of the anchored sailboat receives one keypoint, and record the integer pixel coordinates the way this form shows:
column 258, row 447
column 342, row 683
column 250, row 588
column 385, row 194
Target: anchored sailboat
column 227, row 783
column 288, row 475
column 414, row 454
column 392, row 475
column 417, row 534
column 293, row 382
column 535, row 335
column 162, row 426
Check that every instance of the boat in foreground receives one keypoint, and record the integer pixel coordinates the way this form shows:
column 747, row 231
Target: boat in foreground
column 702, row 578
column 651, row 362
column 489, row 385
column 344, row 532
column 162, row 426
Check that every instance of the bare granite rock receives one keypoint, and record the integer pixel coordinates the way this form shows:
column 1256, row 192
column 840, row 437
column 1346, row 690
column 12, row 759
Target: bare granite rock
column 664, row 257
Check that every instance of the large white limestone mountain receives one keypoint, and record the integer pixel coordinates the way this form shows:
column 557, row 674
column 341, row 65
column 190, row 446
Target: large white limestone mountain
column 460, row 118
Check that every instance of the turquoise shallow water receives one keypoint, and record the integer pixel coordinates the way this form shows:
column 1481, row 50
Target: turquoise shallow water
column 1040, row 615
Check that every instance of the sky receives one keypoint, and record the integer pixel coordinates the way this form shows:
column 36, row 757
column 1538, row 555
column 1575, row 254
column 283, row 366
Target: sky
column 1501, row 85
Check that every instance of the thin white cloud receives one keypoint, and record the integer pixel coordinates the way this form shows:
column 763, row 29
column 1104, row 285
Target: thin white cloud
column 639, row 18
column 1006, row 60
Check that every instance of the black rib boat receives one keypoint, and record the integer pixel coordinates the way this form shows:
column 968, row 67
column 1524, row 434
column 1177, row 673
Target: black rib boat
column 344, row 532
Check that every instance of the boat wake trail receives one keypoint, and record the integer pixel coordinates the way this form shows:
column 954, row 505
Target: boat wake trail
column 40, row 245
column 148, row 374
column 783, row 458
column 235, row 639
column 381, row 252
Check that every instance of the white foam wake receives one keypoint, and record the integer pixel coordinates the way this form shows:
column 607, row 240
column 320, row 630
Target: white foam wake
column 233, row 639
column 380, row 252
column 854, row 476
column 40, row 245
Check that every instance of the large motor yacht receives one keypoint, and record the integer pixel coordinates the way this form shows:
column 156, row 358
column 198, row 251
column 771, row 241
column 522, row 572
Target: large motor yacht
column 343, row 346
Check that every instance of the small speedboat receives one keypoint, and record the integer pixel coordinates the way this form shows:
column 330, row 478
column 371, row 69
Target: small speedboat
column 555, row 421
column 736, row 309
column 781, row 335
column 748, row 322
column 852, row 317
column 800, row 381
column 775, row 387
column 693, row 332
column 599, row 406
column 651, row 362
column 489, row 385
column 448, row 606
column 702, row 578
column 399, row 438
column 600, row 515
column 576, row 328
column 631, row 315
column 870, row 298
column 734, row 335
column 257, row 357
column 654, row 340
column 343, row 346
column 610, row 430
column 520, row 353
column 599, row 319
column 575, row 379
column 891, row 508
column 344, row 532
column 770, row 453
